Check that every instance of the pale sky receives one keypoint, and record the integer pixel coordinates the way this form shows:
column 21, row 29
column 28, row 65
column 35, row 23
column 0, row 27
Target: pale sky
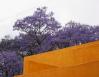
column 84, row 11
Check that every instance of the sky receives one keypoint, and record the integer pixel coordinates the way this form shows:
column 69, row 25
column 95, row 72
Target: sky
column 83, row 11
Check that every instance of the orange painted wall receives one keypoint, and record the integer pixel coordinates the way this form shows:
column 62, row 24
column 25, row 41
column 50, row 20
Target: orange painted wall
column 84, row 70
column 31, row 67
column 76, row 61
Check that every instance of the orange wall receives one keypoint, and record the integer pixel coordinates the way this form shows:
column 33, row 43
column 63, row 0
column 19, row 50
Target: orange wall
column 76, row 61
column 84, row 70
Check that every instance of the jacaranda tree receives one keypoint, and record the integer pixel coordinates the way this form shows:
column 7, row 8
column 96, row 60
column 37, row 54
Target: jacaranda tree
column 37, row 27
column 75, row 33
